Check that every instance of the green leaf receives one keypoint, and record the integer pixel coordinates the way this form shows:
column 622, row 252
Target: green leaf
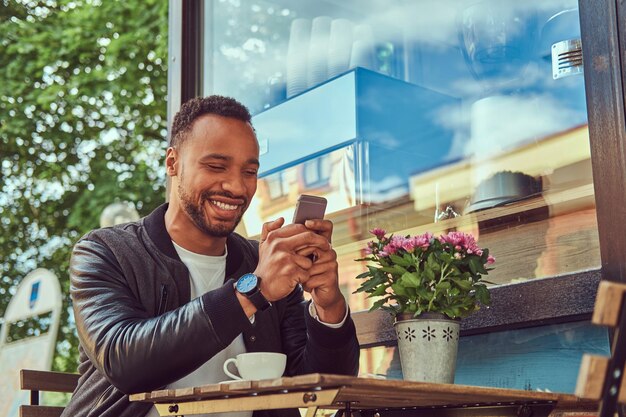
column 371, row 284
column 379, row 291
column 378, row 304
column 476, row 266
column 446, row 257
column 398, row 288
column 445, row 285
column 399, row 260
column 483, row 295
column 463, row 283
column 410, row 279
column 472, row 266
column 364, row 275
column 429, row 273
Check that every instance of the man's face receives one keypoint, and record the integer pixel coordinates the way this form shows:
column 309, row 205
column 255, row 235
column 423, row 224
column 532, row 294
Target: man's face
column 217, row 173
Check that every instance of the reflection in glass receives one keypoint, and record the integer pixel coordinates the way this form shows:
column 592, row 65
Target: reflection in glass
column 498, row 39
column 414, row 116
column 519, row 359
column 430, row 115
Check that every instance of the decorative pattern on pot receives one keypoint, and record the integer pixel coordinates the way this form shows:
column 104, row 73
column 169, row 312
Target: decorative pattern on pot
column 428, row 348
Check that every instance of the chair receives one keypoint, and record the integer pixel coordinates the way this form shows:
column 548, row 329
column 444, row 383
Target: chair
column 601, row 378
column 48, row 381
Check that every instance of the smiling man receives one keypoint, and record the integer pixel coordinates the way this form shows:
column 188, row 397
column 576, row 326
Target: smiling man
column 164, row 301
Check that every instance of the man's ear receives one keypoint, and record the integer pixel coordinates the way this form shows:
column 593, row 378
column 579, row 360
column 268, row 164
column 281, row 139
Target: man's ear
column 171, row 161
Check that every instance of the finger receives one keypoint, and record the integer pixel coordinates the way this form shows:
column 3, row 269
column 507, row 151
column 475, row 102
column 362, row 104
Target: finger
column 287, row 231
column 323, row 268
column 271, row 226
column 303, row 262
column 327, row 260
column 304, row 240
column 320, row 226
column 308, row 251
column 314, row 282
column 323, row 255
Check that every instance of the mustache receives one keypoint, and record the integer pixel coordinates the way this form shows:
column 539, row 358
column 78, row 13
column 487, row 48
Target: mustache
column 208, row 195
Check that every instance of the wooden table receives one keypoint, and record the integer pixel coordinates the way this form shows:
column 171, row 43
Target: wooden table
column 370, row 397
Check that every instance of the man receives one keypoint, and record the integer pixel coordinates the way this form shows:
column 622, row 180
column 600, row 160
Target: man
column 159, row 302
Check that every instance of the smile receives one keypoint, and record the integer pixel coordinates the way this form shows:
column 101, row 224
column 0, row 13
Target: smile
column 224, row 206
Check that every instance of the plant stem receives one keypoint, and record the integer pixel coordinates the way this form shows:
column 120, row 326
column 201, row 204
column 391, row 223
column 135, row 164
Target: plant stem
column 442, row 277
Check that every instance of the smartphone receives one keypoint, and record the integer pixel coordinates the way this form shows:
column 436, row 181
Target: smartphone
column 309, row 207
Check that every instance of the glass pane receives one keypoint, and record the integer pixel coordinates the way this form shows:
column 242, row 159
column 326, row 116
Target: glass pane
column 428, row 115
column 519, row 359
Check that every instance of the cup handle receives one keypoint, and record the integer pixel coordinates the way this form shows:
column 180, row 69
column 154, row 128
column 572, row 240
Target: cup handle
column 227, row 372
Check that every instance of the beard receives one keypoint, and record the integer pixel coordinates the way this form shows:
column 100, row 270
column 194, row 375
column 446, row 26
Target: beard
column 197, row 216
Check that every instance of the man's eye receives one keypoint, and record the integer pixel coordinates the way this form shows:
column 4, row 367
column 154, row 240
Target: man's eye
column 216, row 167
column 252, row 172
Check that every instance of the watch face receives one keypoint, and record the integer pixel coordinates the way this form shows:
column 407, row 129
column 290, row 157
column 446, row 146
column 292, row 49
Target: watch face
column 247, row 283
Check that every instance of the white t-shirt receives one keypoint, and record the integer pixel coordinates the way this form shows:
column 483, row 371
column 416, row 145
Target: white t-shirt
column 207, row 273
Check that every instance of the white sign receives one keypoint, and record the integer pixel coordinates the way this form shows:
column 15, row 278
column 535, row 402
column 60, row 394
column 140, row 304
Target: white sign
column 38, row 294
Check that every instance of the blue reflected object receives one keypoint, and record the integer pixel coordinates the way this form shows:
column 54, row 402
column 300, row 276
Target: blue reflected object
column 398, row 128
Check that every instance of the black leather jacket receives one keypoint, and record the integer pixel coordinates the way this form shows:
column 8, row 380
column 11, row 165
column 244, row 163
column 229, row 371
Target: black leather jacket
column 139, row 330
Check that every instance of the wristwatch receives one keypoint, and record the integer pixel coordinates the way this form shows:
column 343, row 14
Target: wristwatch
column 248, row 286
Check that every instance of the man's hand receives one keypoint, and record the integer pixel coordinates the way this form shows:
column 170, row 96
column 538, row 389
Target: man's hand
column 323, row 282
column 283, row 261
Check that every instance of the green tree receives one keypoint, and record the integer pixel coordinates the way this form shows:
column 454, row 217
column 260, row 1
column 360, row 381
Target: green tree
column 83, row 88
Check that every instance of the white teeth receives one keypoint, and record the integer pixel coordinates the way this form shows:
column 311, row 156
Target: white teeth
column 224, row 206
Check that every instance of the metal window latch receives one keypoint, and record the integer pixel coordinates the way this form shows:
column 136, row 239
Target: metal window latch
column 567, row 58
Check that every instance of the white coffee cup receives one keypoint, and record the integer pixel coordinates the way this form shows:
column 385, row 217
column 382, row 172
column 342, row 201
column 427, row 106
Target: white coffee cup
column 257, row 365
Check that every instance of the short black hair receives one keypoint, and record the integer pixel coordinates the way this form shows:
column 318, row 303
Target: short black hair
column 199, row 106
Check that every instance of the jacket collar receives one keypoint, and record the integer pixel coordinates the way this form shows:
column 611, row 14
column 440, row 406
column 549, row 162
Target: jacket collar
column 155, row 227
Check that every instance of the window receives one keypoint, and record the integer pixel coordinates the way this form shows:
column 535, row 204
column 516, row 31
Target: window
column 446, row 115
column 455, row 122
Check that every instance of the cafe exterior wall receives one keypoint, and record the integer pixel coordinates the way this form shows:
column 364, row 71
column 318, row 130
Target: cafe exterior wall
column 426, row 116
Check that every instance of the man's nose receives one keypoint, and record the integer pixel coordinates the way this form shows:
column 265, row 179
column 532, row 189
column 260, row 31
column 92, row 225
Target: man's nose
column 235, row 185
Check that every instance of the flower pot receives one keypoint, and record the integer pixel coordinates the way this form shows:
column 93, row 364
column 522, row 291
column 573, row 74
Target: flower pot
column 428, row 347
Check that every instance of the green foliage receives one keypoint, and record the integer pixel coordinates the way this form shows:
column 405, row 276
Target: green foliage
column 423, row 274
column 83, row 88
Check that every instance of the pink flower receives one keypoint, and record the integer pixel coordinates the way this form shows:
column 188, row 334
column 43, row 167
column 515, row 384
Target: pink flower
column 378, row 232
column 396, row 243
column 408, row 245
column 423, row 241
column 490, row 259
column 464, row 240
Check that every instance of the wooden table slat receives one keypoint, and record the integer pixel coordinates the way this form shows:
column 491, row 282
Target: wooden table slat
column 372, row 393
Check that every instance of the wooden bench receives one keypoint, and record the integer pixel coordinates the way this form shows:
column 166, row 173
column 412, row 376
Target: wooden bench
column 46, row 381
column 600, row 378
